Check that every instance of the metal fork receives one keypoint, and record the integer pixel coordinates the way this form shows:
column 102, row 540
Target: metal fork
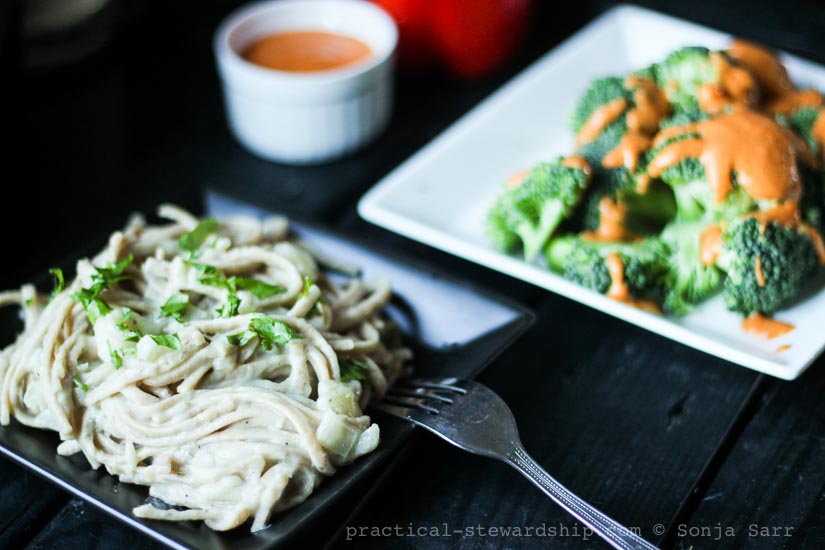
column 472, row 417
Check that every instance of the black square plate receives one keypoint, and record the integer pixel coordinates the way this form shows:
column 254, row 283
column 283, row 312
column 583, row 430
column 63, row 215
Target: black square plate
column 453, row 328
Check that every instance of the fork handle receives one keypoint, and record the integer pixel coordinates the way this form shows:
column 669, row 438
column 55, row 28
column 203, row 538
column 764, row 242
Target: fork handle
column 614, row 533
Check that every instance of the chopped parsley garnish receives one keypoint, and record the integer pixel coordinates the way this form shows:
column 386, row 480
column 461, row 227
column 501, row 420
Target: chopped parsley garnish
column 132, row 334
column 175, row 306
column 217, row 280
column 193, row 240
column 230, row 308
column 353, row 370
column 94, row 306
column 259, row 288
column 116, row 357
column 206, row 269
column 101, row 280
column 112, row 273
column 171, row 341
column 80, row 383
column 271, row 332
column 308, row 282
column 29, row 302
column 59, row 282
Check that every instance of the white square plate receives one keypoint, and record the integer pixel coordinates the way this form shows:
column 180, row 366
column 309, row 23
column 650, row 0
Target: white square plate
column 440, row 195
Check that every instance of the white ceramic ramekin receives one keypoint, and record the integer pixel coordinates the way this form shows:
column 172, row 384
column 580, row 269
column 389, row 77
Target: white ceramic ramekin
column 305, row 118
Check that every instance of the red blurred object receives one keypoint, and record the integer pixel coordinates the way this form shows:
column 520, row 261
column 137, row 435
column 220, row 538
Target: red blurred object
column 471, row 38
column 413, row 19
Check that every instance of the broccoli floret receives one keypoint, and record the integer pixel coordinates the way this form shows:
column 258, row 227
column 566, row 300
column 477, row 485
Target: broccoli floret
column 812, row 201
column 601, row 92
column 766, row 265
column 584, row 262
column 530, row 212
column 648, row 72
column 680, row 117
column 801, row 122
column 681, row 74
column 693, row 194
column 688, row 280
column 645, row 213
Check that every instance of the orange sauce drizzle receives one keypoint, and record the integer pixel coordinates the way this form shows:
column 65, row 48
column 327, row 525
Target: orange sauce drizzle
column 787, row 213
column 760, row 276
column 710, row 244
column 818, row 132
column 627, row 152
column 766, row 68
column 783, row 347
column 765, row 327
column 600, row 119
column 611, row 222
column 618, row 288
column 759, row 150
column 651, row 105
column 577, row 162
column 790, row 101
column 517, row 178
column 735, row 85
column 778, row 92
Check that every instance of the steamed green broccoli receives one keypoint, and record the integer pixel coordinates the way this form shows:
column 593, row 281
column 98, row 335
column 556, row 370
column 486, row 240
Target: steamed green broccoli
column 801, row 121
column 584, row 262
column 812, row 201
column 529, row 213
column 683, row 117
column 693, row 194
column 684, row 71
column 766, row 265
column 601, row 92
column 645, row 213
column 688, row 280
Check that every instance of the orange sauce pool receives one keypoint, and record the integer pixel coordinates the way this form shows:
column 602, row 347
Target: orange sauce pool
column 765, row 327
column 306, row 51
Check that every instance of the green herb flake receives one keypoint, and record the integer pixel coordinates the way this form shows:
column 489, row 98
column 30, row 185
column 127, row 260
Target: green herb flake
column 175, row 306
column 29, row 302
column 259, row 288
column 271, row 333
column 112, row 273
column 80, row 383
column 94, row 306
column 230, row 308
column 242, row 338
column 171, row 341
column 116, row 357
column 101, row 280
column 59, row 282
column 193, row 240
column 219, row 281
column 132, row 334
column 308, row 282
column 206, row 269
column 353, row 370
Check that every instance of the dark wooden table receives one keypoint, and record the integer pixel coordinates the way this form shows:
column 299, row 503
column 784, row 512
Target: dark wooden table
column 691, row 450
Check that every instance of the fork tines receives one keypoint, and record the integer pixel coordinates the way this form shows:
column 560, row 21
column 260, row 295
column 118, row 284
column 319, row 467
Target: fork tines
column 422, row 394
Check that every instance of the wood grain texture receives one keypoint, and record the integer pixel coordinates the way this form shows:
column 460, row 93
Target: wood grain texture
column 774, row 477
column 634, row 423
column 624, row 418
